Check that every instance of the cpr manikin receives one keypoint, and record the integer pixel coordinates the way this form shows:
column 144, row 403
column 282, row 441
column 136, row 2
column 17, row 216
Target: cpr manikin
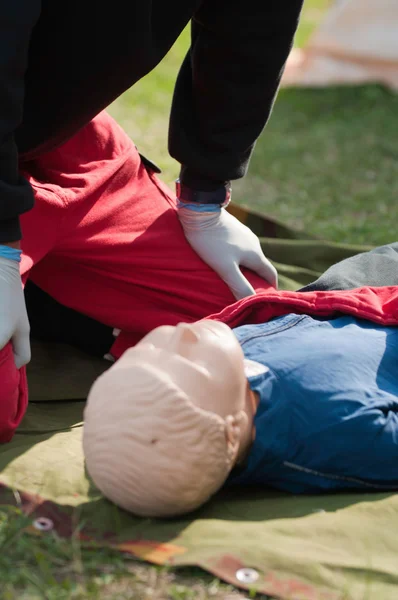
column 165, row 425
column 298, row 403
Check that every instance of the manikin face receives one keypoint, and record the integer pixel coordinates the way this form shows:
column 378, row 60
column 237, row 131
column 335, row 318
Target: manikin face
column 204, row 359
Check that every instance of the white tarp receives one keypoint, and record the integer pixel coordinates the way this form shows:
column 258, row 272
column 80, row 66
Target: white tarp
column 356, row 43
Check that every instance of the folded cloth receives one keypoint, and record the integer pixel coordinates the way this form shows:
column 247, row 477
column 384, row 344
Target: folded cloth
column 13, row 394
column 378, row 267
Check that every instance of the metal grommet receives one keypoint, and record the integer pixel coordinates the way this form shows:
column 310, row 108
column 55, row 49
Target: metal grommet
column 247, row 575
column 43, row 524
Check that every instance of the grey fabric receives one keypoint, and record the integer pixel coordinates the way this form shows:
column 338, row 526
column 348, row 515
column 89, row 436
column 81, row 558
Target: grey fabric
column 376, row 268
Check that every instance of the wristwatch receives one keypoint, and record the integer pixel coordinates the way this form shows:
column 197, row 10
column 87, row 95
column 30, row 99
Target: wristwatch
column 221, row 195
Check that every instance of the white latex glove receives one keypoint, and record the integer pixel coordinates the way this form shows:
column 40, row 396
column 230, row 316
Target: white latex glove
column 225, row 244
column 14, row 323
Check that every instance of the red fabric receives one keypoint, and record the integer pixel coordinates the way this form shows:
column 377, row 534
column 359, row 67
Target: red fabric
column 379, row 305
column 104, row 238
column 13, row 394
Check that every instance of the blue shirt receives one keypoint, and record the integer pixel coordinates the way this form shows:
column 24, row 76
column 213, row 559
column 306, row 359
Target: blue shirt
column 327, row 417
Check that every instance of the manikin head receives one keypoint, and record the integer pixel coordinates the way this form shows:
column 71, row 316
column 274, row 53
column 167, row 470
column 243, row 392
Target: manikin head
column 166, row 423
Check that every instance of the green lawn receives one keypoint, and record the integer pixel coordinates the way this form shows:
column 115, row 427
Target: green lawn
column 325, row 163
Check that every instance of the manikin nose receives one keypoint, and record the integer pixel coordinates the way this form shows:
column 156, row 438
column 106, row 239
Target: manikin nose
column 183, row 334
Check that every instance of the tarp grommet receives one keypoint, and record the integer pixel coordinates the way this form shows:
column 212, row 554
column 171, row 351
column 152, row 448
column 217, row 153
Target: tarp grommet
column 247, row 575
column 43, row 524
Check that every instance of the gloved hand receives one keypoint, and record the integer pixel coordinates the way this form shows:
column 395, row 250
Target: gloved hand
column 225, row 244
column 14, row 323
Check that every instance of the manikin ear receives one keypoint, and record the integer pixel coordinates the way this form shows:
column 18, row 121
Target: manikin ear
column 234, row 427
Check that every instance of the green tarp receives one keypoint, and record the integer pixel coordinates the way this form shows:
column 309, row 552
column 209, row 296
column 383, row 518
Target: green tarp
column 297, row 548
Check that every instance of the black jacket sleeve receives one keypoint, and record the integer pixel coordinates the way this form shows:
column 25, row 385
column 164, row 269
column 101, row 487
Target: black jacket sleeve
column 17, row 19
column 227, row 85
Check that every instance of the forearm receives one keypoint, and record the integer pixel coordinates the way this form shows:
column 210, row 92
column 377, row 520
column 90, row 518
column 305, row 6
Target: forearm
column 17, row 20
column 227, row 85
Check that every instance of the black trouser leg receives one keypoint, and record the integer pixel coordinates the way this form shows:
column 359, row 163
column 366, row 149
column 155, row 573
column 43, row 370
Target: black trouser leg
column 50, row 321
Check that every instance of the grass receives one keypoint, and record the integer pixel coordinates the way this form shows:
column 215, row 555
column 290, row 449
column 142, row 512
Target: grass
column 325, row 163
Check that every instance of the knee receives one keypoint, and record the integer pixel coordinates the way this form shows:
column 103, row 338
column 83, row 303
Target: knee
column 13, row 394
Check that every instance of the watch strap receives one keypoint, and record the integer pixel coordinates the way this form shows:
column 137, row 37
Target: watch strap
column 220, row 196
